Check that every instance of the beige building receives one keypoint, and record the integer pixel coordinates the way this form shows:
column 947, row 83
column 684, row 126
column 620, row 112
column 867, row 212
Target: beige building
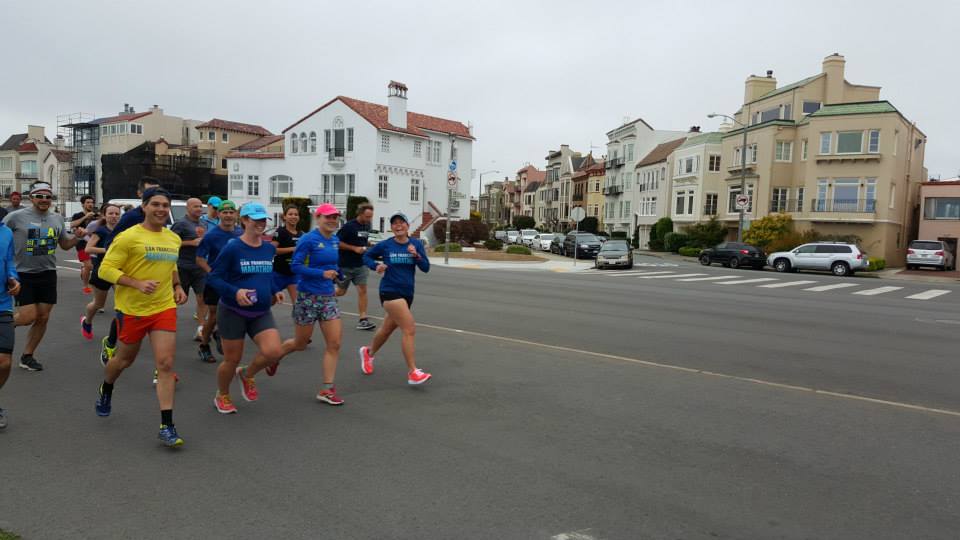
column 940, row 212
column 830, row 153
column 528, row 180
column 553, row 195
column 219, row 137
column 653, row 186
column 21, row 159
column 588, row 188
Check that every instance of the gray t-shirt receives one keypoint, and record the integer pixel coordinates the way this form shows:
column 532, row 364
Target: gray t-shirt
column 35, row 238
column 187, row 230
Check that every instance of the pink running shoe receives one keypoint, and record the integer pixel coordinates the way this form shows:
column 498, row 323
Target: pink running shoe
column 329, row 397
column 249, row 386
column 366, row 361
column 272, row 369
column 224, row 404
column 418, row 376
column 86, row 329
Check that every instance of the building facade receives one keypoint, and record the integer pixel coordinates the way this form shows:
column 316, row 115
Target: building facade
column 555, row 191
column 696, row 179
column 217, row 138
column 653, row 174
column 940, row 212
column 21, row 159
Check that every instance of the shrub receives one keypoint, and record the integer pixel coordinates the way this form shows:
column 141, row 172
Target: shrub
column 589, row 224
column 689, row 251
column 352, row 203
column 635, row 243
column 767, row 229
column 618, row 234
column 663, row 226
column 519, row 250
column 655, row 244
column 451, row 247
column 493, row 244
column 706, row 234
column 876, row 264
column 523, row 222
column 674, row 241
column 466, row 231
column 791, row 240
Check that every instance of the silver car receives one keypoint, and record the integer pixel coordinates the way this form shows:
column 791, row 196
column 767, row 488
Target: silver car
column 930, row 253
column 840, row 259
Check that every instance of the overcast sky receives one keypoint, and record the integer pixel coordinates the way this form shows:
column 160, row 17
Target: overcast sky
column 528, row 75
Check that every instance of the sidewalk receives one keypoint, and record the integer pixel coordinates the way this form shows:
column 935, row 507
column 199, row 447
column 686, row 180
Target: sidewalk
column 565, row 265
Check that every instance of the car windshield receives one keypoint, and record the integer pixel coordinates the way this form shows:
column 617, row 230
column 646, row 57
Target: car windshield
column 615, row 245
column 919, row 244
column 546, row 237
column 581, row 238
column 528, row 232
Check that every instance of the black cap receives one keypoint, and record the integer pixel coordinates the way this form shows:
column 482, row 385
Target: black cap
column 151, row 192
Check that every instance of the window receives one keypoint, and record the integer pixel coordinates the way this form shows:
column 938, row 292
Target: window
column 236, row 166
column 236, row 185
column 223, row 163
column 803, row 150
column 941, row 208
column 293, row 143
column 893, row 193
column 821, row 202
column 382, row 187
column 6, row 163
column 303, row 143
column 326, row 140
column 596, row 187
column 225, row 137
column 349, row 139
column 710, row 205
column 414, row 190
column 800, row 193
column 629, row 153
column 113, row 129
column 846, row 191
column 849, row 142
column 28, row 168
column 417, row 148
column 752, row 153
column 138, row 129
column 732, row 194
column 104, row 129
column 211, row 136
column 680, row 200
column 896, row 140
column 433, row 151
column 873, row 144
column 779, row 201
column 123, row 129
column 784, row 151
column 281, row 186
column 870, row 195
column 626, row 208
column 385, row 143
column 690, row 202
column 253, row 186
column 714, row 165
column 826, row 142
column 313, row 142
column 770, row 114
column 811, row 107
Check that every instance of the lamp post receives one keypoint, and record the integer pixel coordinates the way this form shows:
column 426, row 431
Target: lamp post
column 480, row 190
column 743, row 168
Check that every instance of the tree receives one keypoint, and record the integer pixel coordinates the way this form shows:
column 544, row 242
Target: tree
column 589, row 224
column 475, row 216
column 768, row 229
column 707, row 234
column 663, row 226
column 352, row 203
column 524, row 222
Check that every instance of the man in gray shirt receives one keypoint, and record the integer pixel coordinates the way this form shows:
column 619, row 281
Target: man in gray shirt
column 190, row 231
column 37, row 231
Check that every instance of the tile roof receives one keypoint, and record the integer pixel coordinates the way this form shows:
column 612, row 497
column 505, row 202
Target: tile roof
column 257, row 144
column 255, row 155
column 119, row 118
column 378, row 116
column 13, row 141
column 787, row 88
column 239, row 127
column 714, row 137
column 660, row 152
column 63, row 156
column 531, row 187
column 27, row 148
column 865, row 107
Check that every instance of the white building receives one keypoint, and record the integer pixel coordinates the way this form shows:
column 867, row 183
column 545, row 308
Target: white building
column 653, row 184
column 395, row 158
column 697, row 182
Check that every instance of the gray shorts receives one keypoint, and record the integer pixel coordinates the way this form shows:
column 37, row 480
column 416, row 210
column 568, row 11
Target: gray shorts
column 6, row 333
column 357, row 276
column 232, row 325
column 311, row 308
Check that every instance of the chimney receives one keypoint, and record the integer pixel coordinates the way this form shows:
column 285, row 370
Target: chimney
column 694, row 129
column 35, row 133
column 156, row 109
column 833, row 66
column 126, row 107
column 59, row 142
column 397, row 104
column 758, row 86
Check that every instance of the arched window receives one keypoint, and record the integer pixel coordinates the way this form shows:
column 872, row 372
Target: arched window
column 313, row 142
column 303, row 142
column 293, row 143
column 281, row 186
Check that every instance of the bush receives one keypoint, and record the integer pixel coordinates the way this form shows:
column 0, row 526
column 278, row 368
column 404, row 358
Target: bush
column 519, row 250
column 493, row 244
column 451, row 247
column 876, row 264
column 674, row 241
column 618, row 234
column 523, row 222
column 589, row 224
column 663, row 226
column 706, row 234
column 635, row 243
column 690, row 251
column 764, row 231
column 352, row 203
column 791, row 240
column 463, row 231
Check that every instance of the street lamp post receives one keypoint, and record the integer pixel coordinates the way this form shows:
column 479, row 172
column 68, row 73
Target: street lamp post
column 480, row 190
column 743, row 169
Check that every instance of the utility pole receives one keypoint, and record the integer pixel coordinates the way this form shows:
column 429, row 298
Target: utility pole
column 451, row 185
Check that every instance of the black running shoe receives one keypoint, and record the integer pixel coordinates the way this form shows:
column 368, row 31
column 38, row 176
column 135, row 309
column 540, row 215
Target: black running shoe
column 29, row 363
column 206, row 355
column 365, row 324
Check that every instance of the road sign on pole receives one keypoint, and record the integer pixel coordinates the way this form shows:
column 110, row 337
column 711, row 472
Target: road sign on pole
column 452, row 181
column 742, row 201
column 453, row 165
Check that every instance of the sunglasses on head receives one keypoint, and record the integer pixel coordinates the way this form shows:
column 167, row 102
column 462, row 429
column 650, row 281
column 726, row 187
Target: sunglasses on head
column 42, row 196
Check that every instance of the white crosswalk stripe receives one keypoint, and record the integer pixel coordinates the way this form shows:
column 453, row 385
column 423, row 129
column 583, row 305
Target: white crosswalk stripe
column 926, row 295
column 831, row 287
column 714, row 278
column 671, row 277
column 878, row 290
column 787, row 284
column 635, row 274
column 744, row 281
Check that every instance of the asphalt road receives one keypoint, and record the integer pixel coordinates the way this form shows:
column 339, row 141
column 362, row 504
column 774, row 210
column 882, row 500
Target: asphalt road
column 567, row 406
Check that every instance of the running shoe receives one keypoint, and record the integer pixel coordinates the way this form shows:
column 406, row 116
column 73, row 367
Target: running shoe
column 87, row 290
column 29, row 363
column 206, row 355
column 103, row 402
column 3, row 418
column 106, row 351
column 365, row 324
column 196, row 317
column 216, row 338
column 329, row 397
column 196, row 337
column 168, row 436
column 101, row 310
column 224, row 404
column 86, row 329
column 366, row 361
column 176, row 378
column 418, row 376
column 272, row 369
column 249, row 385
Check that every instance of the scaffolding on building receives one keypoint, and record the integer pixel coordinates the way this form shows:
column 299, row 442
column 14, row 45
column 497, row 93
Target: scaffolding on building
column 81, row 138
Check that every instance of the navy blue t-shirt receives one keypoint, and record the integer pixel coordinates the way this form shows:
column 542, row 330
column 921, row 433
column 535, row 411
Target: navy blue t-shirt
column 354, row 234
column 214, row 241
column 401, row 265
column 103, row 238
column 134, row 216
column 241, row 266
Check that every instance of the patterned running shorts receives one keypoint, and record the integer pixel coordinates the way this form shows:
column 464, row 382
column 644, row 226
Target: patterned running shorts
column 311, row 308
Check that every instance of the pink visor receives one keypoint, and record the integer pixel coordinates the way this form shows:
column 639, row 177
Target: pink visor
column 327, row 209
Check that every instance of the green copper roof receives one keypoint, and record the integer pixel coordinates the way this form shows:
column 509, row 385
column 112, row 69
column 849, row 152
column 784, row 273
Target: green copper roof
column 866, row 107
column 768, row 123
column 787, row 88
column 704, row 138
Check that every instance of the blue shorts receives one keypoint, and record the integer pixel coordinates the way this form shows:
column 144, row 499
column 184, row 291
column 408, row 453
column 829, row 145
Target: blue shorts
column 282, row 281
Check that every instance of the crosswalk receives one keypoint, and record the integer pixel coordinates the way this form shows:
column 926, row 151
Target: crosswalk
column 859, row 288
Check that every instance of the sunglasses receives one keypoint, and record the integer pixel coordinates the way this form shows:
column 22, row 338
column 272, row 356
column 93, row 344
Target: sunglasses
column 42, row 196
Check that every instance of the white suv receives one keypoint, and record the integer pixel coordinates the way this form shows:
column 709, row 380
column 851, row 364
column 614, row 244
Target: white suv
column 841, row 259
column 930, row 253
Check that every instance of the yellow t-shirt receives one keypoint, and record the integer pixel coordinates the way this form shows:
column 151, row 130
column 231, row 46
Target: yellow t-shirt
column 143, row 255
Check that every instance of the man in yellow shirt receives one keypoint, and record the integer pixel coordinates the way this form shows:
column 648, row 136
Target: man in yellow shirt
column 142, row 261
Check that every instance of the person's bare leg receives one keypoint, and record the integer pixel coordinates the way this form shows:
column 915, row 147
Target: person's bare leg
column 362, row 300
column 292, row 292
column 232, row 353
column 6, row 360
column 99, row 300
column 201, row 309
column 271, row 351
column 301, row 337
column 85, row 272
column 38, row 328
column 122, row 359
column 383, row 333
column 332, row 332
column 208, row 325
column 25, row 315
column 164, row 346
column 399, row 312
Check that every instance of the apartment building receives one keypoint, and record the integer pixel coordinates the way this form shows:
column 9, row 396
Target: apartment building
column 21, row 156
column 555, row 192
column 588, row 187
column 940, row 212
column 696, row 178
column 831, row 153
column 217, row 138
column 626, row 145
column 526, row 177
column 494, row 205
column 653, row 174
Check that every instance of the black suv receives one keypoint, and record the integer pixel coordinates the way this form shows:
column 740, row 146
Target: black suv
column 734, row 255
column 587, row 245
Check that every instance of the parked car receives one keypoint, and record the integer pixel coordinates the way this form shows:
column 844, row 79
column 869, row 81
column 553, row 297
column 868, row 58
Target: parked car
column 178, row 208
column 527, row 235
column 542, row 241
column 500, row 235
column 840, row 259
column 556, row 245
column 512, row 237
column 932, row 253
column 580, row 245
column 734, row 255
column 615, row 253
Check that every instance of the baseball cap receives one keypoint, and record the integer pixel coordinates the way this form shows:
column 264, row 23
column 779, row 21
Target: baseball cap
column 253, row 210
column 151, row 192
column 327, row 209
column 214, row 202
column 400, row 215
column 40, row 186
column 227, row 205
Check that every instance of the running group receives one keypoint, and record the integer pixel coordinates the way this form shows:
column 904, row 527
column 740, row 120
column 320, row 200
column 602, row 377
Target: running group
column 236, row 272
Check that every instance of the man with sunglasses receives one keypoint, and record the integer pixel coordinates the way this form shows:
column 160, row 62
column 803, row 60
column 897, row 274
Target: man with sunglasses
column 37, row 231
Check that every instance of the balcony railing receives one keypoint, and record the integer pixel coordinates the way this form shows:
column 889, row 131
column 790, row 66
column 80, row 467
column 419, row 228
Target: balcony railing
column 278, row 199
column 336, row 199
column 863, row 206
column 613, row 190
column 615, row 162
column 27, row 175
column 786, row 205
column 336, row 155
column 577, row 197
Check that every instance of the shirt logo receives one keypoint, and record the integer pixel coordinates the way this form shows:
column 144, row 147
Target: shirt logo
column 256, row 267
column 41, row 241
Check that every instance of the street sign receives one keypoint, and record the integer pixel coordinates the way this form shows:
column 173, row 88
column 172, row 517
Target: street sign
column 453, row 165
column 458, row 195
column 577, row 214
column 742, row 201
column 452, row 180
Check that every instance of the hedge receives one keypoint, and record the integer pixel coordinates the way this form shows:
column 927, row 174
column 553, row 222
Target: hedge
column 493, row 244
column 673, row 241
column 519, row 250
column 451, row 247
column 875, row 264
column 689, row 251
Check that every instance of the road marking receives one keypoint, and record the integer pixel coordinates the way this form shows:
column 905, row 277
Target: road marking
column 68, row 268
column 787, row 284
column 878, row 290
column 670, row 276
column 745, row 281
column 692, row 371
column 831, row 287
column 707, row 278
column 926, row 295
column 635, row 274
column 573, row 535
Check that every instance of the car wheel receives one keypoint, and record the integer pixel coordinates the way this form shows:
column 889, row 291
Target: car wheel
column 734, row 262
column 781, row 265
column 705, row 260
column 840, row 269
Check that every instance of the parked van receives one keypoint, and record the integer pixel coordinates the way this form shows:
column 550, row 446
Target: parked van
column 178, row 208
